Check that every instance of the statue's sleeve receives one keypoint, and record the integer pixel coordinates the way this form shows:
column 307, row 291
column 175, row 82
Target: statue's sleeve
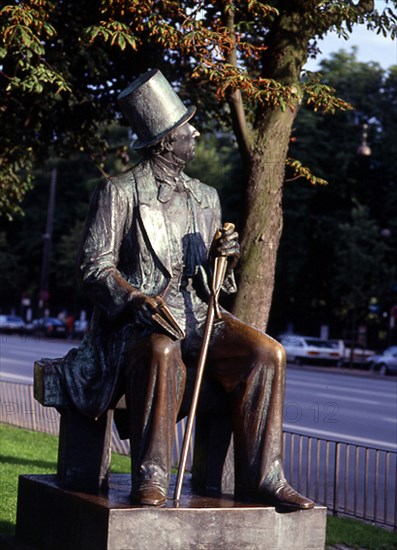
column 99, row 252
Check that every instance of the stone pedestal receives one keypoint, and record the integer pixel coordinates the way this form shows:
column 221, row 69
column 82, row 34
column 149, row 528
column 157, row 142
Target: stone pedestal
column 50, row 517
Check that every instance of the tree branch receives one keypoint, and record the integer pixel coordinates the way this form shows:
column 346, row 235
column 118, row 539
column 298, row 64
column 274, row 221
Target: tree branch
column 235, row 100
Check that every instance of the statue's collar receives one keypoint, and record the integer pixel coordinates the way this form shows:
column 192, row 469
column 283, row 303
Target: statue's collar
column 170, row 177
column 151, row 189
column 166, row 169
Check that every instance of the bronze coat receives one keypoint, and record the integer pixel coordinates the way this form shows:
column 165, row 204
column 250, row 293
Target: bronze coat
column 124, row 249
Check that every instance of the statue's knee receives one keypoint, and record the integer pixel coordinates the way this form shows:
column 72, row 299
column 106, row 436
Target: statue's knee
column 271, row 354
column 163, row 348
column 280, row 355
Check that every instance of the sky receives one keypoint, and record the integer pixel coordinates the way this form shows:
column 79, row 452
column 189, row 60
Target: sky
column 371, row 46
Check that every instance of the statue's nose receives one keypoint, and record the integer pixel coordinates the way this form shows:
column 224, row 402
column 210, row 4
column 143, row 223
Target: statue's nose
column 195, row 132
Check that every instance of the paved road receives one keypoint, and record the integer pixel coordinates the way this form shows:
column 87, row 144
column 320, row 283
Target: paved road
column 361, row 409
column 18, row 353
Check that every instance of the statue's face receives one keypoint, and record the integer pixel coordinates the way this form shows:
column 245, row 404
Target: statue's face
column 184, row 142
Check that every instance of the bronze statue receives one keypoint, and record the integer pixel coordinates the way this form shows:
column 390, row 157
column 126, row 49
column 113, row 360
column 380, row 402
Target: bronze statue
column 146, row 261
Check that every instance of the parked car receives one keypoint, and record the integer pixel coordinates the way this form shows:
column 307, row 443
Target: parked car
column 49, row 327
column 12, row 324
column 385, row 362
column 358, row 355
column 307, row 349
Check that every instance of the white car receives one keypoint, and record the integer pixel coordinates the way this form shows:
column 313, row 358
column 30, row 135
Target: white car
column 357, row 355
column 308, row 349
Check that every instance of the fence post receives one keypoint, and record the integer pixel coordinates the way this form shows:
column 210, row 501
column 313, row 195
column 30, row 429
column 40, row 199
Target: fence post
column 336, row 479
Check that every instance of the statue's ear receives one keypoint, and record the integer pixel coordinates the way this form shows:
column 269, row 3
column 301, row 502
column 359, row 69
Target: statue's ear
column 168, row 145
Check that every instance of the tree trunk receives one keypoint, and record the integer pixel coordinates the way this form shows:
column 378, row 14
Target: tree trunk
column 287, row 45
column 263, row 220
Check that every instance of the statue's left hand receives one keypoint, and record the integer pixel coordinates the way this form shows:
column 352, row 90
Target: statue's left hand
column 226, row 244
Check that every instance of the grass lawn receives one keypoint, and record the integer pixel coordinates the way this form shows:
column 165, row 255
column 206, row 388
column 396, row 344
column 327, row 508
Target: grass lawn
column 26, row 452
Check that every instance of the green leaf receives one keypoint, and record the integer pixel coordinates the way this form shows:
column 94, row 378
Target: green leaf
column 121, row 41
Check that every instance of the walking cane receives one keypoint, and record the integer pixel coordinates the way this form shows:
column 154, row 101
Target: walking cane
column 213, row 309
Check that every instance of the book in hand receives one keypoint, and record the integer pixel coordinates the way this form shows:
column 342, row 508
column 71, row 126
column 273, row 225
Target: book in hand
column 164, row 318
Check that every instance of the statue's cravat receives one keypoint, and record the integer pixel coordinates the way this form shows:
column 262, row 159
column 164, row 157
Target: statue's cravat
column 170, row 178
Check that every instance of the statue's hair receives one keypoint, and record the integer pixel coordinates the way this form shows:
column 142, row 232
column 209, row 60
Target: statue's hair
column 159, row 147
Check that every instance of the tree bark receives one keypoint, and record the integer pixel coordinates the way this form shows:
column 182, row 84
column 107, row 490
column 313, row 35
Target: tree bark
column 263, row 221
column 283, row 60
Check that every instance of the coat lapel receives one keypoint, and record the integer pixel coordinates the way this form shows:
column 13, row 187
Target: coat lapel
column 199, row 204
column 152, row 214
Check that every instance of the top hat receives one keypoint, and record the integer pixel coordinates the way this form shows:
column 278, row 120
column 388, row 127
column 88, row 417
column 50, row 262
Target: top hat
column 153, row 108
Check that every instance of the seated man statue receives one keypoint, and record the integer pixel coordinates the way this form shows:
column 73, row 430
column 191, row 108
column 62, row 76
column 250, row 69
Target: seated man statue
column 145, row 261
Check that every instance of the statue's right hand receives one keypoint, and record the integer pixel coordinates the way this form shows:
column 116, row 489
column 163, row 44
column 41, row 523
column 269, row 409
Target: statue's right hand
column 143, row 307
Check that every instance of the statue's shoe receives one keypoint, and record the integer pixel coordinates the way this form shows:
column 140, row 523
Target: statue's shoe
column 282, row 496
column 149, row 495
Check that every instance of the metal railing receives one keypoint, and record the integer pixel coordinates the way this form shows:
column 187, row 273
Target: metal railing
column 348, row 479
